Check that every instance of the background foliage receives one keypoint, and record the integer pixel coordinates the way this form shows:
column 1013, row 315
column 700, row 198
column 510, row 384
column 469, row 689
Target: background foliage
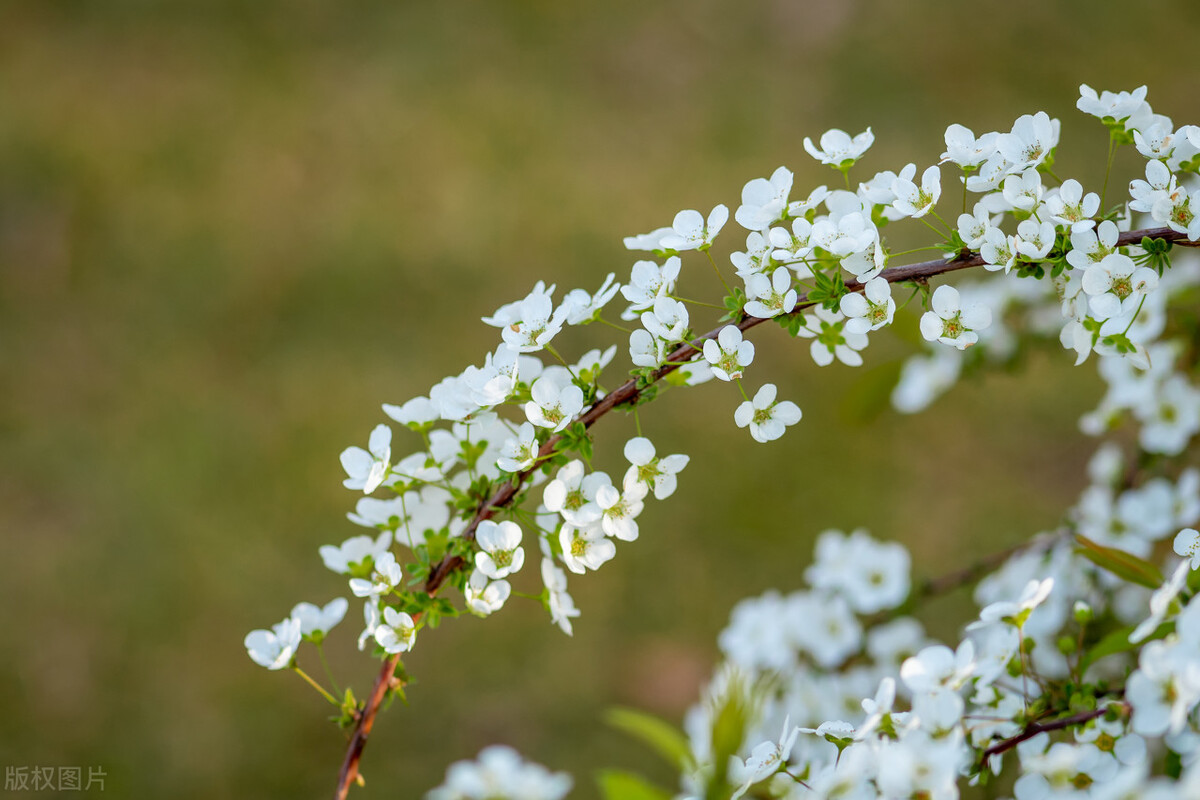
column 229, row 230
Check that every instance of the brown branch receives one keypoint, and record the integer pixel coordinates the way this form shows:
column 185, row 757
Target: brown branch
column 366, row 721
column 628, row 393
column 1034, row 728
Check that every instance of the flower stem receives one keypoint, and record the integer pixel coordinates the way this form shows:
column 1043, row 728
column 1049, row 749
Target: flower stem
column 720, row 277
column 329, row 672
column 315, row 685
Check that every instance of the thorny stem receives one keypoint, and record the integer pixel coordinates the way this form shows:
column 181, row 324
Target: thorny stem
column 626, row 394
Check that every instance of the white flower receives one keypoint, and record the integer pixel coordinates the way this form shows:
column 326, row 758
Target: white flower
column 879, row 190
column 619, row 510
column 794, row 246
column 798, row 208
column 485, row 597
column 1070, row 206
column 1159, row 184
column 690, row 231
column 1116, row 106
column 500, row 552
column 1089, row 246
column 667, row 321
column 973, row 227
column 767, row 758
column 1160, row 602
column 870, row 310
column 964, row 149
column 824, row 627
column 416, row 413
column 939, row 667
column 947, row 322
column 573, row 494
column 1034, row 241
column 755, row 259
column 585, row 548
column 648, row 281
column 397, row 632
column 654, row 473
column 316, row 621
column 385, row 576
column 274, row 649
column 998, row 251
column 767, row 419
column 847, row 234
column 1032, row 138
column 562, row 607
column 728, row 353
column 923, row 378
column 647, row 351
column 1024, row 191
column 1015, row 613
column 368, row 469
column 1160, row 141
column 553, row 406
column 1164, row 688
column 581, row 307
column 371, row 618
column 871, row 575
column 991, row 174
column 830, row 338
column 1175, row 209
column 519, row 453
column 500, row 773
column 530, row 324
column 1116, row 285
column 917, row 201
column 1187, row 544
column 770, row 297
column 648, row 241
column 838, row 150
column 764, row 201
column 353, row 553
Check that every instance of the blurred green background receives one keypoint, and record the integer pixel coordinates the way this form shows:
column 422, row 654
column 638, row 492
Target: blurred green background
column 230, row 230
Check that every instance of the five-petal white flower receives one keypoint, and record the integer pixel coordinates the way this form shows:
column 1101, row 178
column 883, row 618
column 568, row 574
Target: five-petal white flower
column 728, row 353
column 767, row 418
column 500, row 553
column 274, row 649
column 368, row 469
column 949, row 323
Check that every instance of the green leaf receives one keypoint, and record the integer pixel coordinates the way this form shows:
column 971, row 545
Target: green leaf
column 620, row 785
column 662, row 737
column 734, row 302
column 828, row 290
column 1118, row 642
column 1118, row 562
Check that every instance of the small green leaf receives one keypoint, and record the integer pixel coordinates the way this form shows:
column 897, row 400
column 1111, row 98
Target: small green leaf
column 1118, row 642
column 620, row 785
column 662, row 737
column 1122, row 564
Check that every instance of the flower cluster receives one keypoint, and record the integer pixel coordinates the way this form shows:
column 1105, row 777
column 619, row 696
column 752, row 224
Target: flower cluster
column 836, row 689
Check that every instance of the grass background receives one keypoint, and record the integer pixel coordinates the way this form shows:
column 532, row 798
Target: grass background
column 229, row 230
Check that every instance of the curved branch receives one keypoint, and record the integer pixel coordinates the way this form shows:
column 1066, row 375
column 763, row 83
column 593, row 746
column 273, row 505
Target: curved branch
column 1034, row 728
column 627, row 393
